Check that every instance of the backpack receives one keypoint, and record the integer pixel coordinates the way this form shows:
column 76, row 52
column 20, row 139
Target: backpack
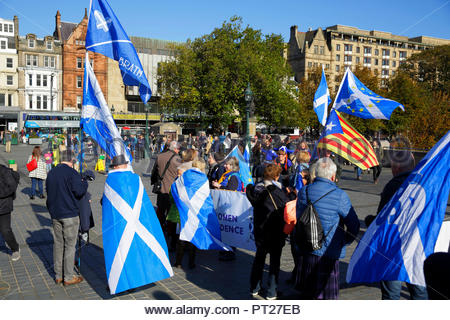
column 309, row 234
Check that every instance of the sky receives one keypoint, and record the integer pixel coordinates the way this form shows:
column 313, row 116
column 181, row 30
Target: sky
column 179, row 20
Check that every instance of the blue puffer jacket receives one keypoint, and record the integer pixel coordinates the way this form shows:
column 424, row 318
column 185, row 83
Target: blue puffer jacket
column 334, row 210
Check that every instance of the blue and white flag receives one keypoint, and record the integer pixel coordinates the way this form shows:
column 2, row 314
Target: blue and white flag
column 133, row 243
column 198, row 220
column 404, row 233
column 322, row 100
column 356, row 99
column 96, row 119
column 106, row 35
column 244, row 166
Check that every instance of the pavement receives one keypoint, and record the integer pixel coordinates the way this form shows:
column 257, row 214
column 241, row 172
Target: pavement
column 32, row 277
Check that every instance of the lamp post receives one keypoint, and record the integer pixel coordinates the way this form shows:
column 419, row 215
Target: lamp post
column 248, row 94
column 51, row 91
column 147, row 140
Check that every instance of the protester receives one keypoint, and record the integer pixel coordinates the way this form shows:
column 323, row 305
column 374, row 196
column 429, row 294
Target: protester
column 230, row 179
column 65, row 188
column 268, row 200
column 318, row 271
column 402, row 163
column 285, row 164
column 9, row 180
column 303, row 146
column 39, row 174
column 8, row 139
column 165, row 169
column 379, row 154
column 301, row 171
column 216, row 167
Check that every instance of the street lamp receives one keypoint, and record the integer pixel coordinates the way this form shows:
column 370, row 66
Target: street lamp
column 112, row 110
column 51, row 91
column 147, row 140
column 248, row 95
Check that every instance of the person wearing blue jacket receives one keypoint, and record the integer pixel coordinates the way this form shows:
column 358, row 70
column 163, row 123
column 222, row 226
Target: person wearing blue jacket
column 65, row 188
column 318, row 271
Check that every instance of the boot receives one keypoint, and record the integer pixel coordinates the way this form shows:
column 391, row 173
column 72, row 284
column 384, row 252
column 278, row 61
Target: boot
column 272, row 290
column 192, row 251
column 179, row 253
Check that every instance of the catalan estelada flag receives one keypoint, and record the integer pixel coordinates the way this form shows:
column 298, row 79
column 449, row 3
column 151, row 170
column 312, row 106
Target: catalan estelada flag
column 341, row 138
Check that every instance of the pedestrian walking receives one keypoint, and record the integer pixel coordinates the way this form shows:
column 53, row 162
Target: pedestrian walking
column 379, row 154
column 8, row 138
column 9, row 180
column 65, row 188
column 39, row 174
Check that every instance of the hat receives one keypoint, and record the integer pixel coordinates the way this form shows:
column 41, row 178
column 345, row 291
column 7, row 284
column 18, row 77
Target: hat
column 118, row 160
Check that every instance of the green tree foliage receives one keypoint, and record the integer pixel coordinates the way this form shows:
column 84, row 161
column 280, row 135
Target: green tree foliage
column 209, row 75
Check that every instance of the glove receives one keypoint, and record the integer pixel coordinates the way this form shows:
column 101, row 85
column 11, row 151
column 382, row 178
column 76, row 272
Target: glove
column 84, row 236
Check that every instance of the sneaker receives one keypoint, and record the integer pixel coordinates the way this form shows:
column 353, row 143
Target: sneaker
column 31, row 197
column 255, row 291
column 15, row 255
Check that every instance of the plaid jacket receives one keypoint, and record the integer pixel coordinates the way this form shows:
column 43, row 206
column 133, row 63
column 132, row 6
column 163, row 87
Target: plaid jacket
column 41, row 171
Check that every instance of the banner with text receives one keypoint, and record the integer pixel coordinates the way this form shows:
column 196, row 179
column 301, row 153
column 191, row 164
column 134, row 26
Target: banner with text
column 235, row 214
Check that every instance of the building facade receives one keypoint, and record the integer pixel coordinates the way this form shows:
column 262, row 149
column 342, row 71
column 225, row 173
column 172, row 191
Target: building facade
column 338, row 47
column 72, row 37
column 9, row 100
column 40, row 73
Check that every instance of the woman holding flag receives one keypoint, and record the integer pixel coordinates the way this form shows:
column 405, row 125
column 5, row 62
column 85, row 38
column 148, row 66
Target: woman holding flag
column 231, row 179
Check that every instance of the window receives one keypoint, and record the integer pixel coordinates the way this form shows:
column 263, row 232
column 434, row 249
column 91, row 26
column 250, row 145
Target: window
column 377, row 52
column 315, row 64
column 316, row 49
column 347, row 58
column 38, row 102
column 327, row 66
column 309, row 64
column 79, row 82
column 1, row 29
column 30, row 101
column 337, row 68
column 385, row 72
column 9, row 62
column 376, row 62
column 49, row 61
column 2, row 97
column 348, row 47
column 30, row 80
column 79, row 102
column 394, row 64
column 338, row 57
column 38, row 80
column 402, row 55
column 367, row 50
column 357, row 49
column 385, row 62
column 31, row 43
column 79, row 63
column 3, row 44
column 357, row 60
column 9, row 80
column 10, row 100
column 44, row 80
column 338, row 47
column 44, row 102
column 367, row 60
column 11, row 28
column 31, row 60
column 393, row 72
column 49, row 45
column 395, row 54
column 385, row 52
column 322, row 50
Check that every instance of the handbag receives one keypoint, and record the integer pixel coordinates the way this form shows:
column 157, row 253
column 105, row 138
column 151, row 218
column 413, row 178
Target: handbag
column 32, row 165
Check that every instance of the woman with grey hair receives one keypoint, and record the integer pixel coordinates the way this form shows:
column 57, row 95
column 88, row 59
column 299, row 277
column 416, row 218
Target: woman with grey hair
column 231, row 179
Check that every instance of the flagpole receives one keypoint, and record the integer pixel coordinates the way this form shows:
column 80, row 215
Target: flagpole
column 340, row 87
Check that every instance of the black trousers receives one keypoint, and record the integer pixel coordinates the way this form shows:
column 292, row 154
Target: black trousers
column 6, row 231
column 376, row 172
column 163, row 206
column 260, row 260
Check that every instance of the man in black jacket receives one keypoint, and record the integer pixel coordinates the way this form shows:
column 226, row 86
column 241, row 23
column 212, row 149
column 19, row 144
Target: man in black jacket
column 9, row 180
column 65, row 188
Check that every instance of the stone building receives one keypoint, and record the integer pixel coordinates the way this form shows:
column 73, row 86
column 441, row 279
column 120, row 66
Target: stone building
column 40, row 73
column 9, row 101
column 338, row 47
column 72, row 37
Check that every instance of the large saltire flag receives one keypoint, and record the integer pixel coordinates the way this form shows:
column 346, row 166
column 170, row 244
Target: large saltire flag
column 106, row 35
column 96, row 119
column 198, row 220
column 404, row 233
column 355, row 98
column 133, row 243
column 244, row 166
column 322, row 100
column 341, row 138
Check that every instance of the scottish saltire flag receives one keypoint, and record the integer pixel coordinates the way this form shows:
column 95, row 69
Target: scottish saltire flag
column 244, row 166
column 341, row 138
column 322, row 100
column 404, row 233
column 199, row 224
column 133, row 243
column 106, row 35
column 356, row 99
column 96, row 119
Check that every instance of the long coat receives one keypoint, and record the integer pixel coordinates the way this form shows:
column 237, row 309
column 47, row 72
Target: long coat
column 9, row 180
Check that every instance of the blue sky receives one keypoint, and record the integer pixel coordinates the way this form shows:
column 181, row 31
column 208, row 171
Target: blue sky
column 179, row 20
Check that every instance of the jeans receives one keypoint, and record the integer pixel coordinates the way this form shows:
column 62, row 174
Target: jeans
column 37, row 181
column 6, row 232
column 65, row 239
column 390, row 290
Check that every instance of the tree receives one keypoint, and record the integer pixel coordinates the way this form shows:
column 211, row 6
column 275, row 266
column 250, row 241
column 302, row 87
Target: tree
column 208, row 77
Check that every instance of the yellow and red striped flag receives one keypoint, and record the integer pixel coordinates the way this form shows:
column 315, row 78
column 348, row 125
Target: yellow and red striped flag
column 342, row 139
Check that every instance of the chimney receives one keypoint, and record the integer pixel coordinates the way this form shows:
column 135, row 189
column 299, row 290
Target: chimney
column 85, row 13
column 294, row 30
column 57, row 33
column 16, row 26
